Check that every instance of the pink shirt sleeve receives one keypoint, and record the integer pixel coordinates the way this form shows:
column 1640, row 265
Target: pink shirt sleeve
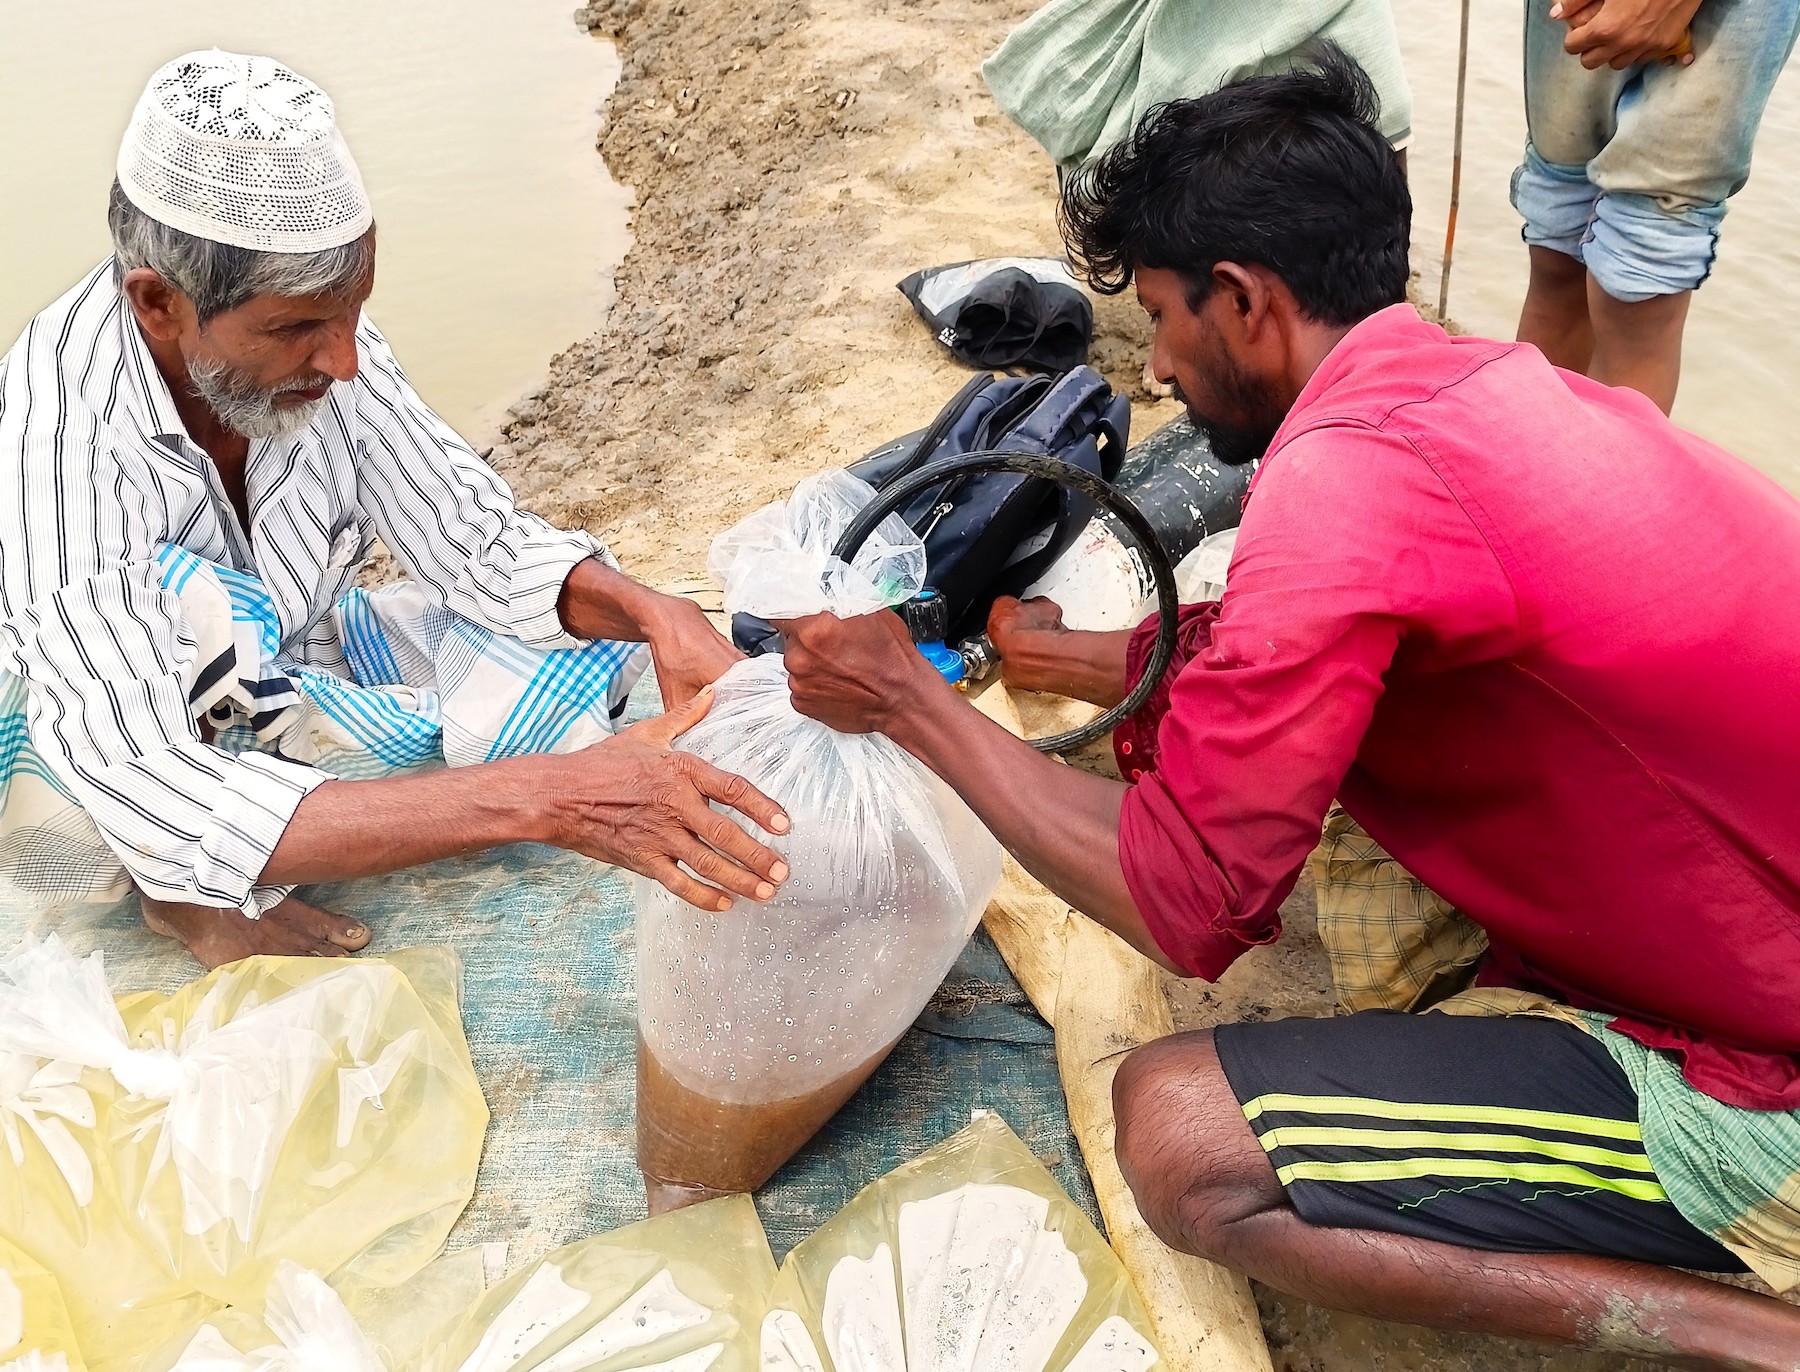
column 1352, row 550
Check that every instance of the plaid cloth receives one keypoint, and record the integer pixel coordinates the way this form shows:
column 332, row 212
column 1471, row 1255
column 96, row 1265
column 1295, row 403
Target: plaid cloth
column 427, row 687
column 1395, row 944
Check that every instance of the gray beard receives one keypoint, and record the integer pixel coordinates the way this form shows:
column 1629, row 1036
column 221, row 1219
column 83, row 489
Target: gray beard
column 248, row 409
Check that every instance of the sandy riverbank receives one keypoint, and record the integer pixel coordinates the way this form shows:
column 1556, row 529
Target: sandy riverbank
column 791, row 161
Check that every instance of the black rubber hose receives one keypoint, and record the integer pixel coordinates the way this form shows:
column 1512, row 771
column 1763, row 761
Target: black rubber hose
column 1162, row 574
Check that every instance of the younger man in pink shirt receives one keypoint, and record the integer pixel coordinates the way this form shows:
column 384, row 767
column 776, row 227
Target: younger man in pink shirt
column 1544, row 648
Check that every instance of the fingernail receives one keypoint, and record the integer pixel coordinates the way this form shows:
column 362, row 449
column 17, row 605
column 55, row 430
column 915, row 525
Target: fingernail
column 764, row 891
column 1556, row 11
column 356, row 931
column 779, row 824
column 779, row 872
column 722, row 906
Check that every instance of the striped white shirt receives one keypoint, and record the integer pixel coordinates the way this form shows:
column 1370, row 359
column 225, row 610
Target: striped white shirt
column 96, row 470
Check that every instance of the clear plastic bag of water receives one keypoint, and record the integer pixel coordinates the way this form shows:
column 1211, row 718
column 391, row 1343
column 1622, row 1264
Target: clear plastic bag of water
column 755, row 1025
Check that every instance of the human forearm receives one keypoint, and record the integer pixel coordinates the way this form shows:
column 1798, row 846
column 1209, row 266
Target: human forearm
column 598, row 602
column 1072, row 846
column 631, row 800
column 1067, row 662
column 348, row 829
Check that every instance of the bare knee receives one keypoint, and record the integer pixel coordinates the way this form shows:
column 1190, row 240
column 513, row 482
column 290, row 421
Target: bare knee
column 1558, row 272
column 1184, row 1146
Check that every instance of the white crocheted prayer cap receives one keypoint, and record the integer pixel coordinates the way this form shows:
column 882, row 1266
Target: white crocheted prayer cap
column 242, row 150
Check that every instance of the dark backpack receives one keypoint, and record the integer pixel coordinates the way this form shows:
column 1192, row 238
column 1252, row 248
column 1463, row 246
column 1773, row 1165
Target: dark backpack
column 994, row 534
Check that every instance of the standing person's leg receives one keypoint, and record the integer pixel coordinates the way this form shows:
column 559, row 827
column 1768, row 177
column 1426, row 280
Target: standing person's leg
column 1569, row 116
column 1361, row 1197
column 1680, row 151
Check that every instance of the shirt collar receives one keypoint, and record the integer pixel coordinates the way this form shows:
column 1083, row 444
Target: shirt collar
column 1383, row 329
column 148, row 398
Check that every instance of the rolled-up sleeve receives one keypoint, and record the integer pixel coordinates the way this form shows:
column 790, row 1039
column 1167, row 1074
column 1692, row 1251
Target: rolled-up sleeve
column 449, row 517
column 105, row 660
column 1350, row 545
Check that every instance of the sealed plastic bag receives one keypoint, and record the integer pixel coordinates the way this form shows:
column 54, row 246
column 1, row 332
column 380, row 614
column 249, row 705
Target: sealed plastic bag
column 968, row 1259
column 303, row 1327
column 306, row 1324
column 35, row 1332
column 681, row 1293
column 278, row 1108
column 757, row 1024
column 60, row 1203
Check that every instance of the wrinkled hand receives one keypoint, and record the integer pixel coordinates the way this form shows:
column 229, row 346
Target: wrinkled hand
column 855, row 674
column 1623, row 33
column 689, row 653
column 633, row 801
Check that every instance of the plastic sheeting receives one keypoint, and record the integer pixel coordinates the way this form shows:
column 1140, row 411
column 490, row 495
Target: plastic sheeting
column 35, row 1331
column 547, row 946
column 684, row 1292
column 180, row 1146
column 550, row 1013
column 967, row 1259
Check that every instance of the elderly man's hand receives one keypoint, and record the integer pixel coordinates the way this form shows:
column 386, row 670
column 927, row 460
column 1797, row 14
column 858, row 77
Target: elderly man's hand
column 1623, row 33
column 633, row 801
column 855, row 674
column 689, row 653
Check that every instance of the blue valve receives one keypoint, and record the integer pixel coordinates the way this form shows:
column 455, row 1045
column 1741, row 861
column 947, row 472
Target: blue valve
column 946, row 659
column 927, row 617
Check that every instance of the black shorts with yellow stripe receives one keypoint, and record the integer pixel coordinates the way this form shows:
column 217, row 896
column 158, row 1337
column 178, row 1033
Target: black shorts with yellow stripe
column 1517, row 1134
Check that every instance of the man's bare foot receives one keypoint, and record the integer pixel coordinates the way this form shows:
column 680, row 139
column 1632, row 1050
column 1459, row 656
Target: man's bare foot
column 292, row 928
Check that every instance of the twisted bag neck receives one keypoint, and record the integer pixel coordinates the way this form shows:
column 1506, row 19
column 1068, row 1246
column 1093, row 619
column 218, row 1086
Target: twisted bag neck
column 56, row 1006
column 777, row 563
column 313, row 1325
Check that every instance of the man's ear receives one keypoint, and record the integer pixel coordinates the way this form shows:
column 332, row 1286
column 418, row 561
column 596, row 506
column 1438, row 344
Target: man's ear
column 162, row 311
column 1244, row 291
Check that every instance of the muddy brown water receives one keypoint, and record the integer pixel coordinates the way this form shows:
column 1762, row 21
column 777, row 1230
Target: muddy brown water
column 692, row 1147
column 473, row 123
column 1742, row 359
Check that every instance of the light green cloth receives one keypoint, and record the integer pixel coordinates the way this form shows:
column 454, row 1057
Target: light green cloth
column 1079, row 74
column 1733, row 1173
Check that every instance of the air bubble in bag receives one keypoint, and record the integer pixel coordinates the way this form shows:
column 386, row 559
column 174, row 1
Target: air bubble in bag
column 755, row 1025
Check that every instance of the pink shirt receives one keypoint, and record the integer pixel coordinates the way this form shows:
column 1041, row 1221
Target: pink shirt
column 1545, row 647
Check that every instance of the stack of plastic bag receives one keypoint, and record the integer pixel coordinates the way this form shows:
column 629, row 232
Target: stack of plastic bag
column 681, row 1293
column 35, row 1332
column 178, row 1147
column 968, row 1259
column 756, row 1025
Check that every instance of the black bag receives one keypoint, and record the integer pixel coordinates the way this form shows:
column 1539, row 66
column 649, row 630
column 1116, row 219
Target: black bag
column 994, row 534
column 1006, row 312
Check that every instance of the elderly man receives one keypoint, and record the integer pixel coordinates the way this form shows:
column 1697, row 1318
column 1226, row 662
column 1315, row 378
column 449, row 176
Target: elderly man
column 1454, row 607
column 202, row 441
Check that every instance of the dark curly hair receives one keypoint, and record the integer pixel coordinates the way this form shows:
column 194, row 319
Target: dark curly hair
column 1288, row 171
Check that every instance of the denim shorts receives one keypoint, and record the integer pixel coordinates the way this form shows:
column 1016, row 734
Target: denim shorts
column 1629, row 171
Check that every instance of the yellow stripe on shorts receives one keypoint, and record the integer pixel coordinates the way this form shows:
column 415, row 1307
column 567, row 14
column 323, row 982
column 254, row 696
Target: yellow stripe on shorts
column 1456, row 1114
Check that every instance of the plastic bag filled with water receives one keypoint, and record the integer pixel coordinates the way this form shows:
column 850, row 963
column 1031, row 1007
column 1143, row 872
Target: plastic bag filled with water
column 755, row 1025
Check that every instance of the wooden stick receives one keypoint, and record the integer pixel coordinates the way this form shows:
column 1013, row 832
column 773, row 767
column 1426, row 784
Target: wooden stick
column 1104, row 999
column 1462, row 84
